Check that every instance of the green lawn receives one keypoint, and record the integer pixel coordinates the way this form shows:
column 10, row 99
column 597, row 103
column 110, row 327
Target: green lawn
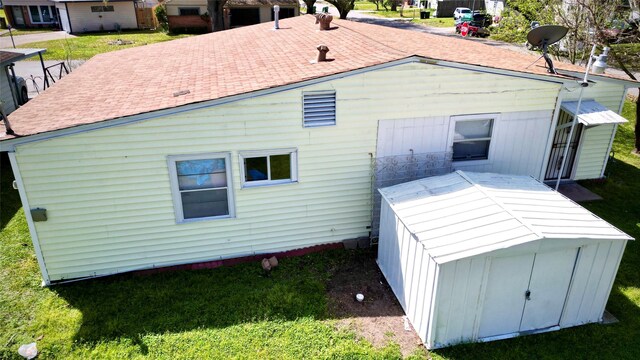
column 365, row 5
column 237, row 312
column 86, row 46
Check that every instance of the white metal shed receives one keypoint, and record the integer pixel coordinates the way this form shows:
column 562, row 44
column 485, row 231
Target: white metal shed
column 480, row 257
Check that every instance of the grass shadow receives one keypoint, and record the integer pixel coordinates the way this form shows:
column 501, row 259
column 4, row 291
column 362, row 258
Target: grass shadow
column 133, row 305
column 9, row 197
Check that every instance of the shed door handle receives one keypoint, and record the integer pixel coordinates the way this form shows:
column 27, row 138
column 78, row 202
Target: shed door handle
column 527, row 295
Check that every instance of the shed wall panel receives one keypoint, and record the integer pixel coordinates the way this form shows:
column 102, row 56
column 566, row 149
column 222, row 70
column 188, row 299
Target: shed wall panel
column 6, row 95
column 410, row 274
column 606, row 280
column 457, row 319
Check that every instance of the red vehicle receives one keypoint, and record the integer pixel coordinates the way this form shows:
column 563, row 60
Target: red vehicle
column 475, row 27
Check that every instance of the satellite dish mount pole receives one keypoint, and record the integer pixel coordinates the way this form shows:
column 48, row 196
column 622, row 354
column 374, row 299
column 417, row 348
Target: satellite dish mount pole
column 545, row 55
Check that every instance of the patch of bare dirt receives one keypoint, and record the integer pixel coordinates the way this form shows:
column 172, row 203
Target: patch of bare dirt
column 379, row 318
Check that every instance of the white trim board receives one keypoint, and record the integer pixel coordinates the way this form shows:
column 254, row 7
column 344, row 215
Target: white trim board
column 27, row 214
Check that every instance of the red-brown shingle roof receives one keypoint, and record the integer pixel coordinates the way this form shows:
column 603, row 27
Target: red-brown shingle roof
column 212, row 66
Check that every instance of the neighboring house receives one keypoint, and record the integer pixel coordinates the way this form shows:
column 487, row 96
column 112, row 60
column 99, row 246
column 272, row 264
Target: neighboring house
column 73, row 16
column 240, row 143
column 494, row 7
column 31, row 13
column 445, row 8
column 192, row 15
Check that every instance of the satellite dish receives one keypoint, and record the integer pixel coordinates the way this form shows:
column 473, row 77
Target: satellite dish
column 543, row 36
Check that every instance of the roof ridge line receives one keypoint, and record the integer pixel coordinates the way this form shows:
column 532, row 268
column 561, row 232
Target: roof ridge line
column 501, row 204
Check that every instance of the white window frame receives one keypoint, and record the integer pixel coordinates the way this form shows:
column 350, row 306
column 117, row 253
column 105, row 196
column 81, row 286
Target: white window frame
column 51, row 8
column 175, row 189
column 190, row 8
column 267, row 153
column 495, row 118
column 102, row 8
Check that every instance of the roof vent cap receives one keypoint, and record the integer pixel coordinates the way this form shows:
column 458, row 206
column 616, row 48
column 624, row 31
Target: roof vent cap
column 322, row 52
column 324, row 20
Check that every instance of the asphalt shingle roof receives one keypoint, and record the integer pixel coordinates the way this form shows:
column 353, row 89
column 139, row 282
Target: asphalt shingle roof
column 217, row 65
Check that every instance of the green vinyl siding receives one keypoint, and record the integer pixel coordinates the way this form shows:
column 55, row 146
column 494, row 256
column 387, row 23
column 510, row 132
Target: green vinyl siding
column 593, row 151
column 108, row 196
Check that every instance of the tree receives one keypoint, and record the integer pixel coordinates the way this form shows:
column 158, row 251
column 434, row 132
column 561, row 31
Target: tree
column 517, row 17
column 161, row 15
column 393, row 4
column 215, row 8
column 377, row 3
column 602, row 17
column 343, row 6
column 310, row 6
column 608, row 23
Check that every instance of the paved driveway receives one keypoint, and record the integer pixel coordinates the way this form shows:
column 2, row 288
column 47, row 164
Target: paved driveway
column 32, row 72
column 5, row 41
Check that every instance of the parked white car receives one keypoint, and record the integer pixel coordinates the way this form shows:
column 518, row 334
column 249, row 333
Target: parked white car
column 458, row 12
column 23, row 93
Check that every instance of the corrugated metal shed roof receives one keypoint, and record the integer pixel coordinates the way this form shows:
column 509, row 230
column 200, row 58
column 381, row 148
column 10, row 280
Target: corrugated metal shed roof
column 8, row 56
column 464, row 214
column 593, row 113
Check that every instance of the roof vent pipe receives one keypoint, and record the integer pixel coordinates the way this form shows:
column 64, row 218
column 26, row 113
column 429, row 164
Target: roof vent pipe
column 324, row 20
column 322, row 52
column 276, row 17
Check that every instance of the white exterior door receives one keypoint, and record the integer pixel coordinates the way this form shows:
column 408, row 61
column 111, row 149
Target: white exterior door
column 64, row 20
column 504, row 296
column 17, row 16
column 526, row 292
column 548, row 288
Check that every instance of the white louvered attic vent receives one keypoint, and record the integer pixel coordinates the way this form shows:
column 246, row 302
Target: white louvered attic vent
column 319, row 108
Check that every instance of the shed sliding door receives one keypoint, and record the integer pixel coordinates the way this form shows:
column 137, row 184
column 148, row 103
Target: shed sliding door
column 526, row 292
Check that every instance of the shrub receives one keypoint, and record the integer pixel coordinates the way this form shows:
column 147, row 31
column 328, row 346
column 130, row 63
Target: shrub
column 161, row 15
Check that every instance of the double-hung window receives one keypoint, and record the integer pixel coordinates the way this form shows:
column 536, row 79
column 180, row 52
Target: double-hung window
column 42, row 14
column 472, row 138
column 201, row 186
column 268, row 167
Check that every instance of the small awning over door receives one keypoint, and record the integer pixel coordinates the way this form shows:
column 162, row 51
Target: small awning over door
column 592, row 113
